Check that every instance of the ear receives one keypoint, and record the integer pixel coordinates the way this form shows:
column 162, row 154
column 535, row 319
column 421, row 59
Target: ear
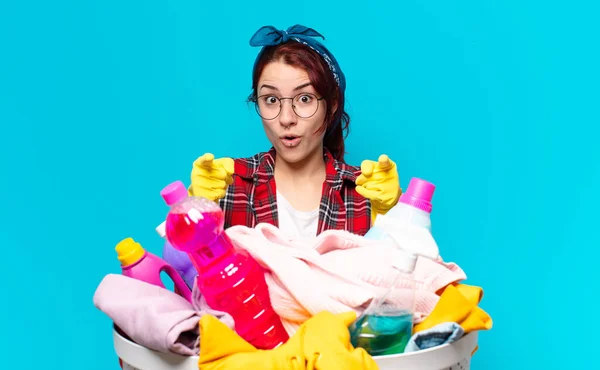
column 334, row 108
column 331, row 110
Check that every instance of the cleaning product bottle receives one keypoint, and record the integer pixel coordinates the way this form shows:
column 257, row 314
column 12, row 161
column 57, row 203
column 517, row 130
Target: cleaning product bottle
column 408, row 223
column 139, row 264
column 178, row 259
column 385, row 327
column 230, row 280
column 414, row 206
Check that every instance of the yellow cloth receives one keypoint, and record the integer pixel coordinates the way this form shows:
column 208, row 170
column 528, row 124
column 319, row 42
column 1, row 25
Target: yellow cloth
column 211, row 177
column 379, row 182
column 322, row 342
column 458, row 303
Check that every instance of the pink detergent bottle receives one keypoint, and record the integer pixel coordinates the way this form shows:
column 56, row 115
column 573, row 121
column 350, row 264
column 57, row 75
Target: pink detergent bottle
column 230, row 280
column 139, row 264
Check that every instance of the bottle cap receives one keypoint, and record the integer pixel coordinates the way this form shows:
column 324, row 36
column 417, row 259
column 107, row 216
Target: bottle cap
column 162, row 229
column 419, row 194
column 174, row 192
column 129, row 251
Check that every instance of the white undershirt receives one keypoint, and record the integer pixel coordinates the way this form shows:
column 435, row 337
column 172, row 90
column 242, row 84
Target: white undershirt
column 296, row 224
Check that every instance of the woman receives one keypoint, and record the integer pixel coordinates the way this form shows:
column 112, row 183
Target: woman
column 302, row 184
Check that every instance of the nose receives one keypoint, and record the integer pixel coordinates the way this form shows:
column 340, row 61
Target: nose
column 287, row 116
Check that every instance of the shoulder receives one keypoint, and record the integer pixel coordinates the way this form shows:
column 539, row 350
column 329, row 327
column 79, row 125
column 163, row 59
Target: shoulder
column 345, row 171
column 348, row 171
column 349, row 174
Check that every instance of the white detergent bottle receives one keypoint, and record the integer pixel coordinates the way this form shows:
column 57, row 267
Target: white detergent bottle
column 408, row 223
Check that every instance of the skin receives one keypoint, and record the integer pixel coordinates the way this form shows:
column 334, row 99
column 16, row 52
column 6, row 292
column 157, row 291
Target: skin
column 299, row 167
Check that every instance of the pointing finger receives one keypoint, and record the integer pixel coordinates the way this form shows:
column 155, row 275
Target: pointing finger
column 384, row 162
column 206, row 160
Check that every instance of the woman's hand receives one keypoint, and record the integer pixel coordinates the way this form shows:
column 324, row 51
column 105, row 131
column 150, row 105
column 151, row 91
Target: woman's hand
column 380, row 183
column 211, row 177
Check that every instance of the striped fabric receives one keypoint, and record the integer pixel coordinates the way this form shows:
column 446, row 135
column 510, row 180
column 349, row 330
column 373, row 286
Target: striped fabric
column 252, row 199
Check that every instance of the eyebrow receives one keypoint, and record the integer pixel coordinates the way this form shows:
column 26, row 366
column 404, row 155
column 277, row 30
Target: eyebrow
column 300, row 87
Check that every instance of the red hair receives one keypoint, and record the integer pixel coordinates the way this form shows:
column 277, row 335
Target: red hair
column 337, row 121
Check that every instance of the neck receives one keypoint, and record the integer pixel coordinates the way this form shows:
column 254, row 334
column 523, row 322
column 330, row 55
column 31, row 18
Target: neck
column 309, row 168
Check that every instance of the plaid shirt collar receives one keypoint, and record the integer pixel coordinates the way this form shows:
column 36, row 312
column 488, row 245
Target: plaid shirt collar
column 336, row 172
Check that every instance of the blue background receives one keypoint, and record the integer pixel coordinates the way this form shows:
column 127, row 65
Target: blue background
column 102, row 103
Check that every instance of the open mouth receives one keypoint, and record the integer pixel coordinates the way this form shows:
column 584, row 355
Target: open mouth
column 291, row 140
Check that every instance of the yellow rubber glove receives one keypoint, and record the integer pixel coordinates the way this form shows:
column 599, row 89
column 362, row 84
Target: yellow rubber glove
column 223, row 349
column 458, row 303
column 380, row 183
column 211, row 177
column 321, row 343
column 327, row 344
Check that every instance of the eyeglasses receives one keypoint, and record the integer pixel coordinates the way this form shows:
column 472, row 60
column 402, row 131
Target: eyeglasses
column 305, row 105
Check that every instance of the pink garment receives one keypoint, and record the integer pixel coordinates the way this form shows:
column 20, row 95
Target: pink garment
column 338, row 271
column 152, row 316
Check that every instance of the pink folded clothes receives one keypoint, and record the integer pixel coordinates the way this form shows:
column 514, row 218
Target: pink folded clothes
column 152, row 316
column 337, row 272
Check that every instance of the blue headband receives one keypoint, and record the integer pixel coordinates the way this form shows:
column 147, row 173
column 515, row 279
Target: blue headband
column 270, row 36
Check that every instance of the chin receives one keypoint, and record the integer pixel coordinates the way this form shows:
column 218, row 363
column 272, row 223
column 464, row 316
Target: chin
column 292, row 156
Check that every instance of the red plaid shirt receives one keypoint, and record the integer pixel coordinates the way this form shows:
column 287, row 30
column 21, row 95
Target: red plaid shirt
column 252, row 199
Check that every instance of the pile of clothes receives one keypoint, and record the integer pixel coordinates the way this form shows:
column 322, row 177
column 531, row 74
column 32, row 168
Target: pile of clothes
column 318, row 288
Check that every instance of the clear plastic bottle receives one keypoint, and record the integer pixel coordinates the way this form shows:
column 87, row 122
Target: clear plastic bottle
column 230, row 280
column 385, row 327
